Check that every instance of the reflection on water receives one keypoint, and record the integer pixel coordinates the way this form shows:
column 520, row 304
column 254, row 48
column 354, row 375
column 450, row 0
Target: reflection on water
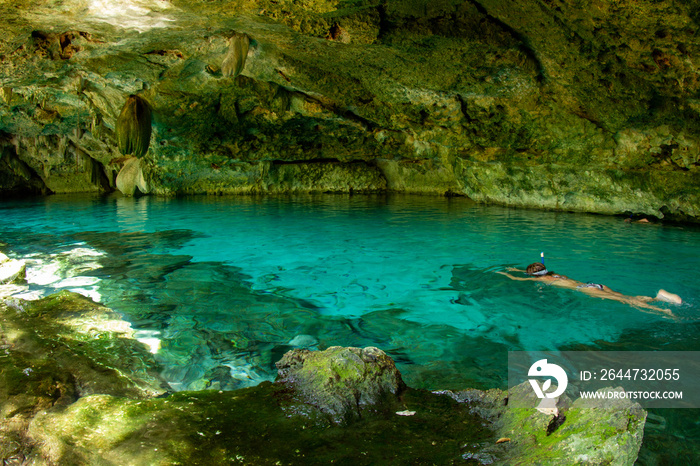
column 220, row 288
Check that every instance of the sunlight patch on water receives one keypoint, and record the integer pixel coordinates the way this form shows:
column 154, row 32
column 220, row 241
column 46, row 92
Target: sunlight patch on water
column 67, row 270
column 150, row 338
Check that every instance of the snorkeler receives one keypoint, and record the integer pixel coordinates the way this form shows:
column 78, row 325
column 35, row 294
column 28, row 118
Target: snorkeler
column 538, row 272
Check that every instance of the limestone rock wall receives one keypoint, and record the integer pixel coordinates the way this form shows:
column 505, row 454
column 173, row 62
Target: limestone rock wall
column 539, row 103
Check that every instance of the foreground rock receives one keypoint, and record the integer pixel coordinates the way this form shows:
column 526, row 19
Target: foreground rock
column 341, row 381
column 75, row 388
column 59, row 349
column 349, row 383
column 67, row 337
column 572, row 435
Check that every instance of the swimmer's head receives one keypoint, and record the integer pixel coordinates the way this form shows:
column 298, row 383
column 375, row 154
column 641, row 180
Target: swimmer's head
column 536, row 269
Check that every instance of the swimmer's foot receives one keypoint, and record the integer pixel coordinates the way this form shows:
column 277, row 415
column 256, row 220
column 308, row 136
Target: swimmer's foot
column 664, row 295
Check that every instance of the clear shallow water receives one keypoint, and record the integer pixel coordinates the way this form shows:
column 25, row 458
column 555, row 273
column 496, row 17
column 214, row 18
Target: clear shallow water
column 222, row 287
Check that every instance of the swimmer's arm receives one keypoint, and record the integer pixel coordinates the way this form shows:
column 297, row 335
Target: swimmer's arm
column 516, row 278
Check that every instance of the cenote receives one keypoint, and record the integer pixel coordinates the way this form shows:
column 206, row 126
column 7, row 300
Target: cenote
column 219, row 288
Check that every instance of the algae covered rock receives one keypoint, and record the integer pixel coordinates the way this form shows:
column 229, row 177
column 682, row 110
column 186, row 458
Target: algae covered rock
column 75, row 389
column 255, row 426
column 340, row 381
column 57, row 350
column 574, row 435
column 325, row 177
column 522, row 103
column 247, row 426
column 85, row 342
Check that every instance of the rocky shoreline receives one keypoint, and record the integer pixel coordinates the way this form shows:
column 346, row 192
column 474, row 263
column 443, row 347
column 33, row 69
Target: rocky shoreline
column 77, row 388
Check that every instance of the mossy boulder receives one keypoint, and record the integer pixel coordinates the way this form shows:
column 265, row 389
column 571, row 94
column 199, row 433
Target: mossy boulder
column 575, row 434
column 339, row 381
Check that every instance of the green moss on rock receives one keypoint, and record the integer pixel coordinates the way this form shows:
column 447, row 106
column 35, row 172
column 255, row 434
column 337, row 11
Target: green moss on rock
column 89, row 344
column 340, row 382
column 575, row 435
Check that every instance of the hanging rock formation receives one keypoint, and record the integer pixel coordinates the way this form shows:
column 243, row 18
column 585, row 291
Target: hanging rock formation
column 525, row 103
column 134, row 127
column 235, row 58
column 131, row 177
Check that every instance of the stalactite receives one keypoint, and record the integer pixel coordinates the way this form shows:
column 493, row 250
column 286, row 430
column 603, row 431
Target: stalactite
column 134, row 127
column 131, row 178
column 234, row 62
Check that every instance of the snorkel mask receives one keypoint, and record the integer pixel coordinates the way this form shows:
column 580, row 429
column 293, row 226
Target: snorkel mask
column 541, row 271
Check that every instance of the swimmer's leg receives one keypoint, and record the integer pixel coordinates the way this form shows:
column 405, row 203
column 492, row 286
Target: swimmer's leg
column 644, row 306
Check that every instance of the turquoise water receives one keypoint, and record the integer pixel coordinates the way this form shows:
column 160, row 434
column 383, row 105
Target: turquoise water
column 220, row 288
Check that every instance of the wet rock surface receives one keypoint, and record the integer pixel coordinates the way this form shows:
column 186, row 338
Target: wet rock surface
column 87, row 343
column 573, row 434
column 536, row 104
column 57, row 350
column 339, row 381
